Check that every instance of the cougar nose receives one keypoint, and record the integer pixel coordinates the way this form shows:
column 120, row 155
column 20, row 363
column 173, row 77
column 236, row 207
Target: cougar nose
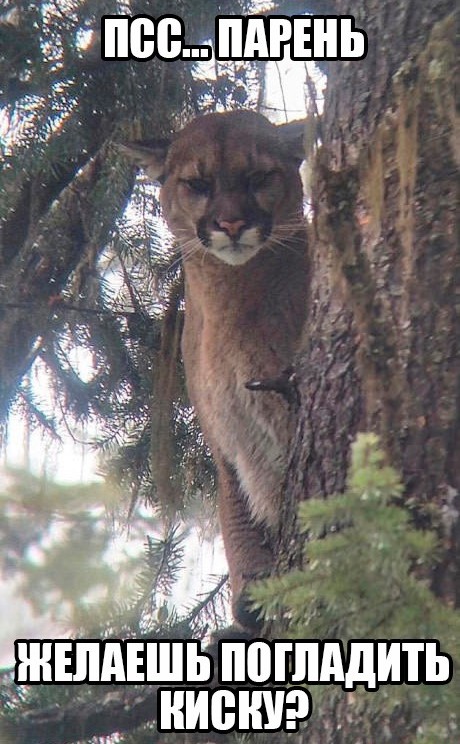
column 233, row 228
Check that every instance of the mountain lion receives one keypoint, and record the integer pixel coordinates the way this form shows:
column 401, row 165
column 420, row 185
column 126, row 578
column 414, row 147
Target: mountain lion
column 232, row 196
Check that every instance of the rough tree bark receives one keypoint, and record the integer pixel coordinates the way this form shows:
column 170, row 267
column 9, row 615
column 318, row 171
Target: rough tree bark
column 382, row 347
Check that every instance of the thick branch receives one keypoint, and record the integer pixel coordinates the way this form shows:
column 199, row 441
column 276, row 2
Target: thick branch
column 120, row 709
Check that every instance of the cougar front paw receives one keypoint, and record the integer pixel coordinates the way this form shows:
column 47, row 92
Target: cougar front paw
column 245, row 615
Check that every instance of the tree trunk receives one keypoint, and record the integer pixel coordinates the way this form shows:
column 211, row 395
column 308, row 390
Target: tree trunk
column 382, row 347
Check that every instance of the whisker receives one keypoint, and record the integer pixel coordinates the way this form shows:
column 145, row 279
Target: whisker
column 274, row 243
column 186, row 250
column 190, row 247
column 289, row 226
column 175, row 263
column 280, row 238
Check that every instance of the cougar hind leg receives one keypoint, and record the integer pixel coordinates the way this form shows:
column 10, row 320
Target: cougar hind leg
column 247, row 544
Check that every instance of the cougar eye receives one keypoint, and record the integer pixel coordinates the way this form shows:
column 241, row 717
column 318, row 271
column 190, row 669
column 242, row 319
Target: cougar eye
column 260, row 179
column 198, row 185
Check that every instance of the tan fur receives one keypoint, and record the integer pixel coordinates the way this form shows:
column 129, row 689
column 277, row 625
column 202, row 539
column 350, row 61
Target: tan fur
column 245, row 301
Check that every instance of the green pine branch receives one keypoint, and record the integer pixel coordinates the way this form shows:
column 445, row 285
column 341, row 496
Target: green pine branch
column 365, row 576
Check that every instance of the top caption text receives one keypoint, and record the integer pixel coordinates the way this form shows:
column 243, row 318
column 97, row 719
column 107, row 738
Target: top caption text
column 237, row 38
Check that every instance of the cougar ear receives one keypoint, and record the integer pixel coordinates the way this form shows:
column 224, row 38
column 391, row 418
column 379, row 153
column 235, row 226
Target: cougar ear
column 297, row 136
column 150, row 155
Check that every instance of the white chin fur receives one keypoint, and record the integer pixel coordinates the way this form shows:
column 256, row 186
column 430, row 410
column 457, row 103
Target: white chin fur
column 238, row 254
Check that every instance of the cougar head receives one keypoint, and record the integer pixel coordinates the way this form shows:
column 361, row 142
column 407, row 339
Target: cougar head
column 230, row 184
